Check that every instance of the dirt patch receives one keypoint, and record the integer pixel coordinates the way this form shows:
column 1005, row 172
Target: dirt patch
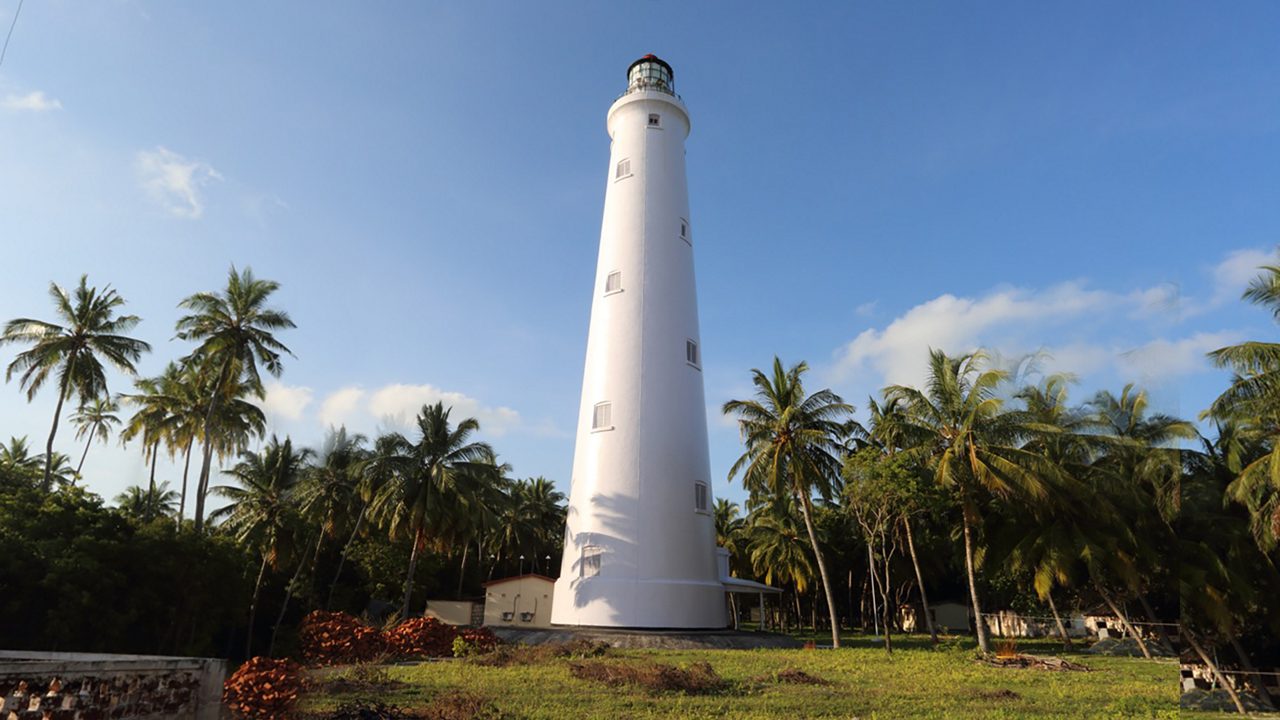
column 791, row 676
column 360, row 680
column 697, row 679
column 1001, row 694
column 458, row 705
column 366, row 710
column 508, row 655
column 1036, row 662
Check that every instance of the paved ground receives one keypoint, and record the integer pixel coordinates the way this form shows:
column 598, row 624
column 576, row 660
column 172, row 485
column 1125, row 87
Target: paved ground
column 660, row 639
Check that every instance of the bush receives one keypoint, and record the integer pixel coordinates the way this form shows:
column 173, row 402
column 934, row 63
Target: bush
column 336, row 638
column 263, row 689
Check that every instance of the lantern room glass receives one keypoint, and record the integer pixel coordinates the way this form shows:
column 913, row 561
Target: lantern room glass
column 650, row 75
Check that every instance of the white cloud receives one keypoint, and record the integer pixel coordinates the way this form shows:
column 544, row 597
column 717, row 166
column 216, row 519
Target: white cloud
column 174, row 181
column 1232, row 275
column 34, row 101
column 285, row 401
column 1164, row 359
column 341, row 407
column 866, row 309
column 400, row 403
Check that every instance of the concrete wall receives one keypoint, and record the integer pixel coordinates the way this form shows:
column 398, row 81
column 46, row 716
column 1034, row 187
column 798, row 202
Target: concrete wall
column 35, row 685
column 522, row 602
column 454, row 612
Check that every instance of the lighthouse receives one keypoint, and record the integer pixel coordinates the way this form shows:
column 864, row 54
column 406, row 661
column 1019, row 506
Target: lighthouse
column 640, row 541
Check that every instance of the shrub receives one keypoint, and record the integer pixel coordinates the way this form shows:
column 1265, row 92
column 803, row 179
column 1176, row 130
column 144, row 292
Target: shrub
column 336, row 638
column 263, row 689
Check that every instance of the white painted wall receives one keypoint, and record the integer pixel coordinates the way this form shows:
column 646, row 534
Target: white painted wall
column 520, row 602
column 632, row 491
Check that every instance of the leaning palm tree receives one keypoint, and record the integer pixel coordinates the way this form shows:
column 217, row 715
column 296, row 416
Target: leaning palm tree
column 262, row 508
column 439, row 474
column 235, row 330
column 973, row 447
column 94, row 422
column 90, row 332
column 792, row 450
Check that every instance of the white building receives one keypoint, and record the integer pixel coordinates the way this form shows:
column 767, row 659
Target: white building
column 640, row 540
column 522, row 601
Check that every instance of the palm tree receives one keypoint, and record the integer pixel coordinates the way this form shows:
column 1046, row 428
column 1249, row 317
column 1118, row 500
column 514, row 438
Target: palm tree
column 90, row 332
column 792, row 449
column 329, row 493
column 234, row 328
column 428, row 479
column 973, row 447
column 17, row 463
column 776, row 550
column 152, row 419
column 94, row 421
column 262, row 507
column 147, row 504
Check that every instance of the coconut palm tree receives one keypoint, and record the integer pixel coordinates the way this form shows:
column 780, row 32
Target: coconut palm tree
column 147, row 504
column 235, row 330
column 441, row 472
column 262, row 508
column 776, row 549
column 152, row 419
column 792, row 450
column 88, row 332
column 17, row 463
column 973, row 447
column 94, row 421
column 329, row 494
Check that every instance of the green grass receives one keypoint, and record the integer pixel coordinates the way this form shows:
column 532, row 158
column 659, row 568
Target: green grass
column 919, row 681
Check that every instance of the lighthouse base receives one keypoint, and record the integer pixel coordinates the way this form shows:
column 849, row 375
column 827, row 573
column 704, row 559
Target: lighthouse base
column 650, row 639
column 639, row 604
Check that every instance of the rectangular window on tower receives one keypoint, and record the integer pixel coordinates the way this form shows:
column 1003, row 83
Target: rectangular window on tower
column 655, row 120
column 602, row 416
column 684, row 231
column 691, row 353
column 613, row 283
column 589, row 566
column 700, row 497
column 624, row 169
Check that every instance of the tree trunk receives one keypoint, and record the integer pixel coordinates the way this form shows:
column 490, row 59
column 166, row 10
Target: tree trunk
column 462, row 569
column 151, row 484
column 1155, row 623
column 53, row 431
column 342, row 559
column 1222, row 680
column 1249, row 667
column 822, row 568
column 288, row 595
column 84, row 454
column 408, row 578
column 186, row 467
column 924, row 597
column 1124, row 619
column 887, row 609
column 1062, row 630
column 979, row 624
column 202, row 486
column 253, row 608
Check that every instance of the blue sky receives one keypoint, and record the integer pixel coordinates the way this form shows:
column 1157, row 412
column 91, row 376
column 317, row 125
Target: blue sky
column 426, row 180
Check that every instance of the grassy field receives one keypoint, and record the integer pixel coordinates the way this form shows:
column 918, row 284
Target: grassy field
column 919, row 681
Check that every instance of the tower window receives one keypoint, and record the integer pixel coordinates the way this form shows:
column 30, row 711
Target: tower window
column 624, row 169
column 590, row 564
column 613, row 283
column 684, row 230
column 700, row 497
column 602, row 416
column 655, row 120
column 691, row 353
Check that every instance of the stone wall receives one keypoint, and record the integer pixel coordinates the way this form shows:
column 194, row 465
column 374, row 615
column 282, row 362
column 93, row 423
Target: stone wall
column 87, row 686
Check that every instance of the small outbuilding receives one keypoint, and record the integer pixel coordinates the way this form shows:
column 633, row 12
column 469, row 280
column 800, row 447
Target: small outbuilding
column 520, row 601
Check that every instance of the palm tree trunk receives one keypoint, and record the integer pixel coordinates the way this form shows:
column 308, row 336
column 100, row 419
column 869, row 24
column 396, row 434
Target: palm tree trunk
column 1124, row 619
column 151, row 485
column 342, row 559
column 1213, row 667
column 1062, row 630
column 253, row 608
column 1250, row 668
column 288, row 595
column 462, row 569
column 887, row 608
column 84, row 454
column 822, row 567
column 924, row 597
column 186, row 467
column 53, row 431
column 202, row 487
column 979, row 624
column 408, row 578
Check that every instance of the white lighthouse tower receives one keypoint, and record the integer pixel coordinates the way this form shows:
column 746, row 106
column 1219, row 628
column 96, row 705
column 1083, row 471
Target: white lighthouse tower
column 640, row 542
